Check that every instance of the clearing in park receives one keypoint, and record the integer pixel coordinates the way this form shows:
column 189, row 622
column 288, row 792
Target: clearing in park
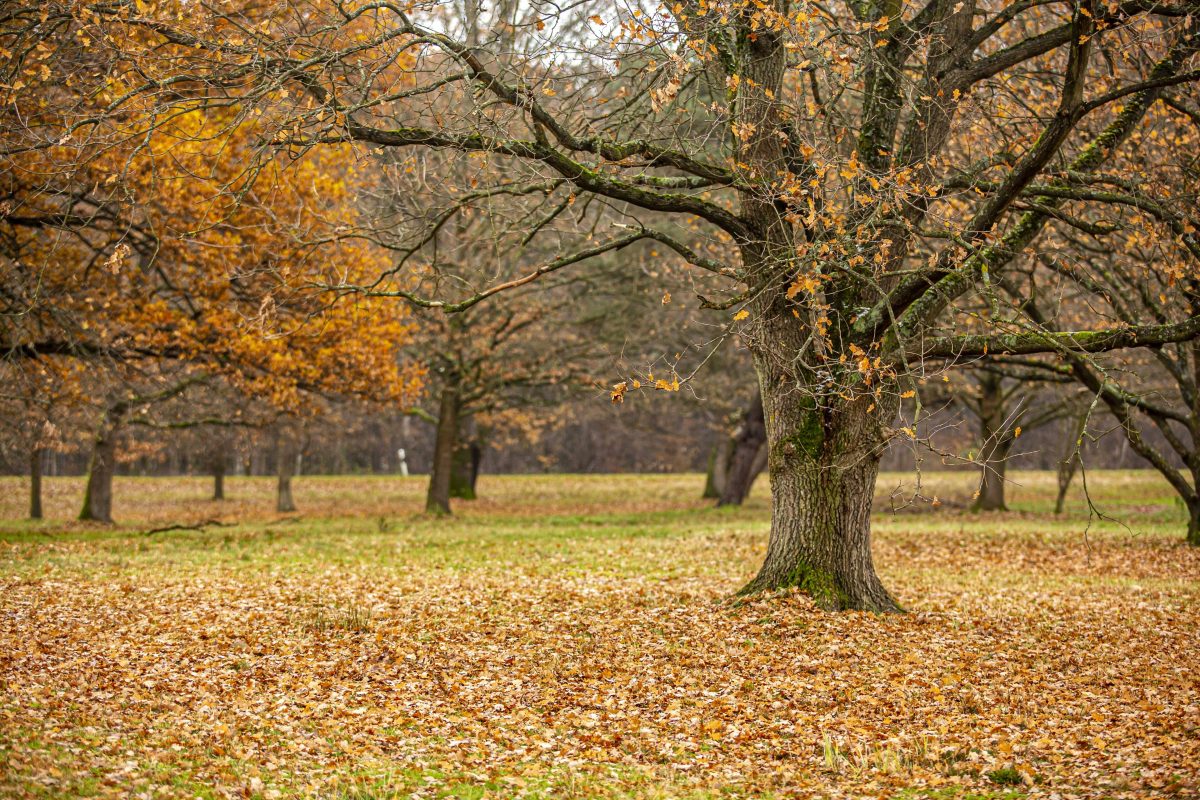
column 568, row 637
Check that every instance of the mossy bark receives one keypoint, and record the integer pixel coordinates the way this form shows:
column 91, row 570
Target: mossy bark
column 825, row 426
column 823, row 460
column 1193, row 531
column 714, row 477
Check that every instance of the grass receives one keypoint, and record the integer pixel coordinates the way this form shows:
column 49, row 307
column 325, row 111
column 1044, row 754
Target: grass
column 566, row 636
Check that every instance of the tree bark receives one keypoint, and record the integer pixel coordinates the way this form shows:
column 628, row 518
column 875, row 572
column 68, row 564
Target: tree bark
column 437, row 499
column 748, row 457
column 1066, row 474
column 97, row 497
column 992, row 481
column 285, row 456
column 824, row 457
column 1070, row 461
column 218, row 480
column 35, row 482
column 826, row 425
column 718, row 468
column 468, row 455
column 996, row 442
column 1193, row 532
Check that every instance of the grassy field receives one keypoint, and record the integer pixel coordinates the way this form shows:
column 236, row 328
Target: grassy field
column 569, row 636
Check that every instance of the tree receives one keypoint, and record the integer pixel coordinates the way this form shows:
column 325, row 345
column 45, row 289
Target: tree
column 39, row 413
column 742, row 457
column 1147, row 278
column 861, row 170
column 1070, row 462
column 1007, row 400
column 487, row 360
column 186, row 264
column 287, row 455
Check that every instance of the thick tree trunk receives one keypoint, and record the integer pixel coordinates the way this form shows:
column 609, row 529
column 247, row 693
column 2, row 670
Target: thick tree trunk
column 823, row 462
column 468, row 454
column 97, row 497
column 285, row 456
column 1193, row 532
column 749, row 444
column 35, row 482
column 437, row 499
column 746, row 467
column 825, row 429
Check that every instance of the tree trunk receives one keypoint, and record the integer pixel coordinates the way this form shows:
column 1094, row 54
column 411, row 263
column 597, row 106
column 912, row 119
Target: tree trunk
column 285, row 457
column 825, row 426
column 437, row 500
column 718, row 468
column 1070, row 461
column 823, row 463
column 97, row 497
column 992, row 481
column 1193, row 532
column 748, row 457
column 996, row 443
column 1066, row 474
column 757, row 467
column 218, row 480
column 35, row 482
column 468, row 454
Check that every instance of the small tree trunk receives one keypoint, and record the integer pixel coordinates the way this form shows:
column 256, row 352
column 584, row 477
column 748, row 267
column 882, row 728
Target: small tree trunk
column 743, row 473
column 1066, row 474
column 992, row 482
column 437, row 500
column 824, row 462
column 757, row 467
column 285, row 456
column 1193, row 532
column 718, row 468
column 97, row 497
column 996, row 443
column 1070, row 461
column 749, row 442
column 219, row 480
column 35, row 482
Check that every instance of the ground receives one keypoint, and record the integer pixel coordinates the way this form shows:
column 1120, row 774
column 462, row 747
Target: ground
column 571, row 637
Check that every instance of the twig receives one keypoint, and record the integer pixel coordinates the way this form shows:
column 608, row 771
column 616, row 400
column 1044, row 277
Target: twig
column 208, row 523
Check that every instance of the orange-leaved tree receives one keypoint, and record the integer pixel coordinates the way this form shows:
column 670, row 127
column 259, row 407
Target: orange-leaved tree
column 180, row 258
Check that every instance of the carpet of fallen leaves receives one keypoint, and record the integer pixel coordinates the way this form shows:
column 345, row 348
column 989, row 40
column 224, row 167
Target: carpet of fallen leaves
column 567, row 637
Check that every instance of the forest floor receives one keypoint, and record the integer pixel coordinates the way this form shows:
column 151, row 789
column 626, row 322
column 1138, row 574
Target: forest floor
column 569, row 637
